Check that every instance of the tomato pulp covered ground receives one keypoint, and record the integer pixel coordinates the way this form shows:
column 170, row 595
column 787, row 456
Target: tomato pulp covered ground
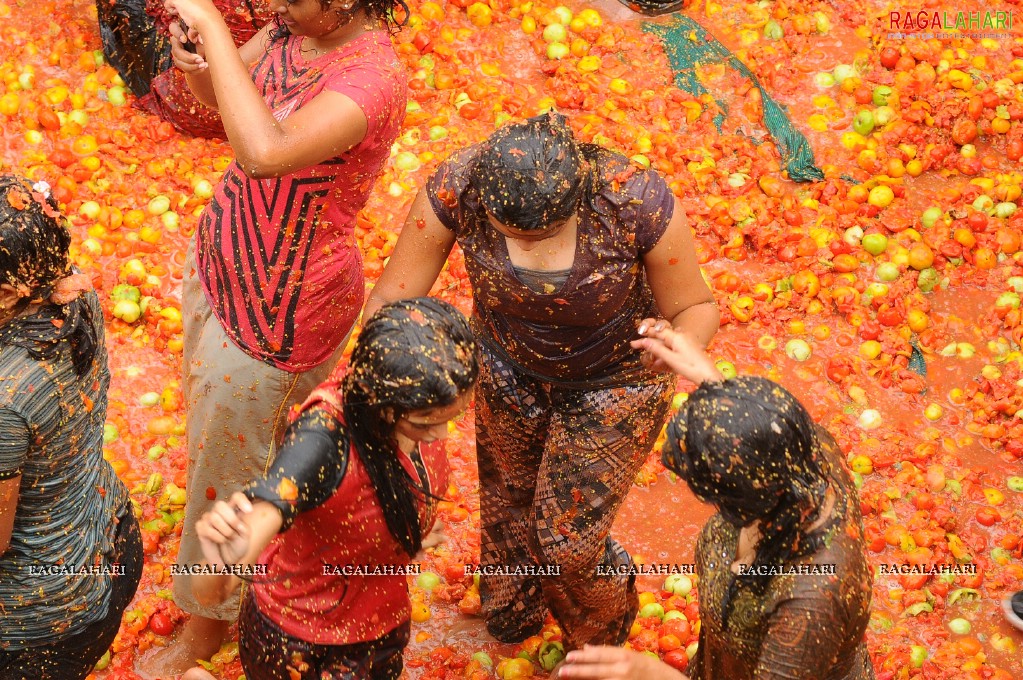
column 907, row 253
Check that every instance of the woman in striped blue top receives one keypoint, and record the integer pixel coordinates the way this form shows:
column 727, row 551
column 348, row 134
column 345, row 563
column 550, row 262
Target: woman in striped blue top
column 70, row 550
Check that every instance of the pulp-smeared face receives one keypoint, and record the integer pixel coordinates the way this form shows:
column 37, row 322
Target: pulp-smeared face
column 528, row 235
column 431, row 424
column 310, row 17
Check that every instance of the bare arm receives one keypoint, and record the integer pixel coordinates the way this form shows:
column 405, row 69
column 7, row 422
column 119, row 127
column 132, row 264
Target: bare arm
column 419, row 255
column 676, row 351
column 195, row 67
column 8, row 508
column 615, row 663
column 233, row 533
column 682, row 295
column 324, row 128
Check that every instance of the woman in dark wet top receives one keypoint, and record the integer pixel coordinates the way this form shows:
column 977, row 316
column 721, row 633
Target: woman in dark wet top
column 568, row 247
column 784, row 581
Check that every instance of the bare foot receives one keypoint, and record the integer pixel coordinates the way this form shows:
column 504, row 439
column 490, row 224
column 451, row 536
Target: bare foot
column 197, row 673
column 199, row 639
column 469, row 629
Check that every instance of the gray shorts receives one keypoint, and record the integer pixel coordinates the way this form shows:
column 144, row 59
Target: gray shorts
column 237, row 414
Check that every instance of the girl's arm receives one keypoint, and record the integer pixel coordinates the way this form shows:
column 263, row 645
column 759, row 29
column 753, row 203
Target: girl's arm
column 195, row 67
column 419, row 255
column 14, row 444
column 682, row 295
column 676, row 351
column 233, row 533
column 8, row 508
column 264, row 147
column 615, row 663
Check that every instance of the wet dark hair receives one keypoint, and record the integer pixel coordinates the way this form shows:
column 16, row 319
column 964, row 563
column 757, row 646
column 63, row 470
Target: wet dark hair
column 34, row 246
column 749, row 447
column 381, row 10
column 411, row 355
column 530, row 175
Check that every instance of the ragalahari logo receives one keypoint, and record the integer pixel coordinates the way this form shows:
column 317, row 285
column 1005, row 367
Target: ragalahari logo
column 931, row 20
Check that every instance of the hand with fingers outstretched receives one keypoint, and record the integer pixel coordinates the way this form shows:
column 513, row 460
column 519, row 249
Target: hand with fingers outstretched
column 616, row 663
column 665, row 348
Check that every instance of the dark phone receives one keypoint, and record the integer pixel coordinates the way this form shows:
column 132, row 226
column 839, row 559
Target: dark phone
column 188, row 45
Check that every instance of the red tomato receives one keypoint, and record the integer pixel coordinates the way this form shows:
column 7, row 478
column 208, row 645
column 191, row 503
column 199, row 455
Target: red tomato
column 964, row 132
column 680, row 628
column 923, row 501
column 913, row 581
column 839, row 368
column 870, row 330
column 48, row 119
column 988, row 516
column 889, row 316
column 889, row 57
column 975, row 109
column 422, row 42
column 161, row 624
column 470, row 111
column 677, row 659
column 977, row 221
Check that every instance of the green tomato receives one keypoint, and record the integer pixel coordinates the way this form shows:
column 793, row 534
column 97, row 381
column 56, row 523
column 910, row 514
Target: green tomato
column 875, row 244
column 679, row 584
column 110, row 433
column 930, row 216
column 843, row 72
column 550, row 655
column 103, row 662
column 726, row 368
column 483, row 659
column 884, row 115
column 824, row 80
column 863, row 123
column 983, row 203
column 1005, row 209
column 116, row 96
column 557, row 50
column 428, row 580
column 881, row 95
column 773, row 30
column 123, row 291
column 652, row 609
column 1015, row 484
column 555, row 33
column 797, row 349
column 917, row 655
column 960, row 626
column 928, row 279
column 887, row 271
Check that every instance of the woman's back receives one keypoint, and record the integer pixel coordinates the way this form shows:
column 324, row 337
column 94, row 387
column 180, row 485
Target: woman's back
column 51, row 428
column 808, row 624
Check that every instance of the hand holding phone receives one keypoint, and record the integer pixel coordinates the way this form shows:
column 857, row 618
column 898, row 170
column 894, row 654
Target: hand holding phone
column 187, row 44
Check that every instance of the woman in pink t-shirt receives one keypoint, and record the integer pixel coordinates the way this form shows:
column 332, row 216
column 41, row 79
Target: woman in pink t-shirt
column 274, row 282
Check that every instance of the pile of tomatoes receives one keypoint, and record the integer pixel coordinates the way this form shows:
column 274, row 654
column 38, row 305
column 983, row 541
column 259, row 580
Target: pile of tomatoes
column 887, row 295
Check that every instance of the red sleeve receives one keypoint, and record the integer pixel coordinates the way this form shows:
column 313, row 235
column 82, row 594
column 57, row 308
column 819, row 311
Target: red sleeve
column 379, row 87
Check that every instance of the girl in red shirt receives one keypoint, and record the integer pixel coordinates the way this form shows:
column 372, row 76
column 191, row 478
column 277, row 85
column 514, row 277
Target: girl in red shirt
column 345, row 505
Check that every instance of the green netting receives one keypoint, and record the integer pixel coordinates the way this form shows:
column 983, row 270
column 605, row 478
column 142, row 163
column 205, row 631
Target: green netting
column 917, row 364
column 688, row 46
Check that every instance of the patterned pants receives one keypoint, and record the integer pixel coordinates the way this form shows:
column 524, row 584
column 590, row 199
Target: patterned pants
column 555, row 465
column 268, row 653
